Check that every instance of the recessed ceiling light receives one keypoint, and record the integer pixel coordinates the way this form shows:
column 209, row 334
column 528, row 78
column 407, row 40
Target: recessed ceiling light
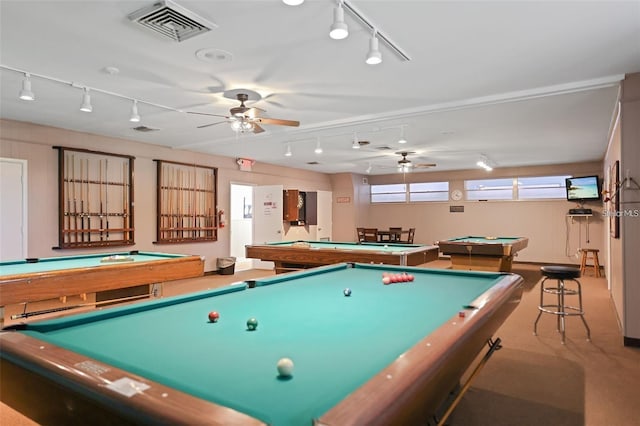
column 213, row 55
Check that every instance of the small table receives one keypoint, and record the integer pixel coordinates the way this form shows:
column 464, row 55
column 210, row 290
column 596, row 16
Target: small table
column 295, row 255
column 387, row 354
column 483, row 253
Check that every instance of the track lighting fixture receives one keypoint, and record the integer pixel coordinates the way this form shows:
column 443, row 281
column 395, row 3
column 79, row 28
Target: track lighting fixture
column 318, row 149
column 374, row 56
column 339, row 29
column 86, row 101
column 484, row 163
column 135, row 117
column 26, row 94
column 355, row 144
column 288, row 153
column 402, row 139
column 368, row 169
column 293, row 2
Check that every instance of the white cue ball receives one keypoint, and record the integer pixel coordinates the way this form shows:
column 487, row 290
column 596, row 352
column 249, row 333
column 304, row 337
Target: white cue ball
column 285, row 367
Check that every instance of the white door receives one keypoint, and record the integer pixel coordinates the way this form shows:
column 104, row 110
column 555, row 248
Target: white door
column 267, row 218
column 13, row 209
column 241, row 224
column 324, row 215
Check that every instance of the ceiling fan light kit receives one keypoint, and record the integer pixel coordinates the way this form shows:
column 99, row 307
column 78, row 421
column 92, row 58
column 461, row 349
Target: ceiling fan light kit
column 293, row 2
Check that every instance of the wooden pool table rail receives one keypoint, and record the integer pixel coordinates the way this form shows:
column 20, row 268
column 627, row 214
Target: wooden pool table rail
column 42, row 397
column 292, row 258
column 428, row 369
column 32, row 287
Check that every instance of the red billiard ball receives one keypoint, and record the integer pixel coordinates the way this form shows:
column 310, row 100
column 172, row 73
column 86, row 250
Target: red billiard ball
column 461, row 314
column 411, row 277
column 213, row 316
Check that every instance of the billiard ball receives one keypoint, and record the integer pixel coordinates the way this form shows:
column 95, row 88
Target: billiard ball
column 252, row 324
column 213, row 316
column 347, row 292
column 285, row 367
column 386, row 280
column 411, row 277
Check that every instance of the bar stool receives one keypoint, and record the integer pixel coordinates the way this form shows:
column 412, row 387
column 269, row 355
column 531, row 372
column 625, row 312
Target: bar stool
column 561, row 274
column 585, row 257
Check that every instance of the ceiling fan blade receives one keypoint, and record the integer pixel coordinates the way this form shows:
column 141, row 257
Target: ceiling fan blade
column 212, row 124
column 278, row 121
column 257, row 128
column 205, row 113
column 426, row 165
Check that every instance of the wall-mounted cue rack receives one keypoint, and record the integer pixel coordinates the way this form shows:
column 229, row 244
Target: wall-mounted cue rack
column 95, row 201
column 187, row 200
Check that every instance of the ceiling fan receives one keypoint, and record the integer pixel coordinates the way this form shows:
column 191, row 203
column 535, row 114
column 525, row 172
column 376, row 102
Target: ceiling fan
column 246, row 119
column 405, row 165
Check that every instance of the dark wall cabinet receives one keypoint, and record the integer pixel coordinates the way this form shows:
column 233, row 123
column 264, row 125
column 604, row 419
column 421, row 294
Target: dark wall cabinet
column 300, row 208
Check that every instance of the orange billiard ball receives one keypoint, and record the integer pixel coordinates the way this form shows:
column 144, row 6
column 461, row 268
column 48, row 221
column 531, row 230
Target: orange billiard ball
column 213, row 316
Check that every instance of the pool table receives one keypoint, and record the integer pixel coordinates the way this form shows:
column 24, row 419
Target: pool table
column 32, row 280
column 386, row 354
column 294, row 255
column 483, row 253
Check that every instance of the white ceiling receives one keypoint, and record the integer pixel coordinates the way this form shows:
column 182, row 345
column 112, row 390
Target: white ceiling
column 523, row 83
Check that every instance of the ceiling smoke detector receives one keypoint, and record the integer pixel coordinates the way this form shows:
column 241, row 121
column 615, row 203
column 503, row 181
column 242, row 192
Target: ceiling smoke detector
column 172, row 20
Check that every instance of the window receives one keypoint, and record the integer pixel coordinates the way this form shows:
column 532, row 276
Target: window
column 429, row 191
column 395, row 193
column 489, row 189
column 541, row 187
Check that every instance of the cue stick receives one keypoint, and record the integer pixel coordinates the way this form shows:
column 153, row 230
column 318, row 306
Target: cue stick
column 493, row 346
column 180, row 224
column 125, row 232
column 68, row 190
column 79, row 305
column 194, row 191
column 101, row 204
column 82, row 199
column 169, row 204
column 75, row 208
column 88, row 208
column 106, row 194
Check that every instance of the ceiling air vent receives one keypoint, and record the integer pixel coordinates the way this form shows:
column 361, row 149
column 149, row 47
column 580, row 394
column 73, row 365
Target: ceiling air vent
column 171, row 20
column 144, row 129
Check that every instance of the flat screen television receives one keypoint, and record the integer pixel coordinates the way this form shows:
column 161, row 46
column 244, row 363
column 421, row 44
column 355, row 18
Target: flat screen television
column 583, row 188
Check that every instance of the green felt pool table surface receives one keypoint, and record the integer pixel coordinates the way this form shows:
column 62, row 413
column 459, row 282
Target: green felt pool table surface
column 337, row 343
column 23, row 266
column 336, row 245
column 24, row 281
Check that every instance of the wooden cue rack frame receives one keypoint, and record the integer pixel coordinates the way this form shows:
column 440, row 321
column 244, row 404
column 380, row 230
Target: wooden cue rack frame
column 95, row 202
column 187, row 203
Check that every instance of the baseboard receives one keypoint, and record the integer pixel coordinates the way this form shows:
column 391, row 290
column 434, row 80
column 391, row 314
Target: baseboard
column 632, row 341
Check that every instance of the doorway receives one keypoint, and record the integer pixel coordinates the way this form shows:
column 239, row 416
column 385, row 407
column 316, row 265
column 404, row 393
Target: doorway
column 241, row 224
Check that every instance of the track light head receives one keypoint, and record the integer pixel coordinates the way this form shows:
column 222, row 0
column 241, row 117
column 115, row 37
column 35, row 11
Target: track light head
column 374, row 56
column 135, row 117
column 318, row 149
column 86, row 101
column 293, row 2
column 26, row 94
column 288, row 153
column 339, row 29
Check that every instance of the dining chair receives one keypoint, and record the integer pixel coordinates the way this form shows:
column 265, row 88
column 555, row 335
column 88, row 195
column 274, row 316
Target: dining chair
column 371, row 235
column 412, row 233
column 395, row 234
column 360, row 232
